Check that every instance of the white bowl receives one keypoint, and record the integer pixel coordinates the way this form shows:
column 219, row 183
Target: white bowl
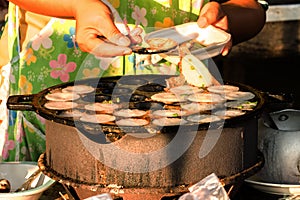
column 213, row 39
column 273, row 188
column 17, row 173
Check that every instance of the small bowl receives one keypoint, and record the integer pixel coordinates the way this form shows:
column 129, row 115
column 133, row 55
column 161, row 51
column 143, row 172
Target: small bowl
column 17, row 173
column 212, row 38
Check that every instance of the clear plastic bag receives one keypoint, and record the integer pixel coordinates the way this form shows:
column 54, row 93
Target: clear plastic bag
column 209, row 188
column 104, row 196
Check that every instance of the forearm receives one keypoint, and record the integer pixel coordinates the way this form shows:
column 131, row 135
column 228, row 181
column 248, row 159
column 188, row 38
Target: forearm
column 60, row 8
column 94, row 21
column 246, row 18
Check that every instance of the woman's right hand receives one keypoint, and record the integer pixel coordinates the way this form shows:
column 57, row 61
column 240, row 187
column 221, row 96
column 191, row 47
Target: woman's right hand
column 97, row 33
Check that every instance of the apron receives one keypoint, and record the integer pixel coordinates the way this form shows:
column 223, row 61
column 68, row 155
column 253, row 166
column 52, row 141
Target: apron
column 51, row 56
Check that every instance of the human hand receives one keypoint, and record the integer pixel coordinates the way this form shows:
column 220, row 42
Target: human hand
column 212, row 14
column 97, row 33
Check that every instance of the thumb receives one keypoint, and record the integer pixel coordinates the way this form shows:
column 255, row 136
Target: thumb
column 202, row 22
column 113, row 34
column 209, row 14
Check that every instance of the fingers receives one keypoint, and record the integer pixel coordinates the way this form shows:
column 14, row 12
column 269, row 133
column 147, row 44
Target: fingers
column 119, row 39
column 212, row 14
column 100, row 36
column 89, row 41
column 102, row 47
column 135, row 35
column 110, row 50
column 226, row 50
column 116, row 45
column 209, row 14
column 96, row 31
column 113, row 44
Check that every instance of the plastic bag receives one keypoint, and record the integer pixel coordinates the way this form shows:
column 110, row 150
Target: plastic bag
column 104, row 196
column 209, row 188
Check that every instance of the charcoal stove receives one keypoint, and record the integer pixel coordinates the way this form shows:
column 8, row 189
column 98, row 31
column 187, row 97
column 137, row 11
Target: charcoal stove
column 138, row 162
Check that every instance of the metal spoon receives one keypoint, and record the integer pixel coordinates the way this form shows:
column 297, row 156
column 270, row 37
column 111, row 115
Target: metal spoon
column 27, row 184
column 150, row 50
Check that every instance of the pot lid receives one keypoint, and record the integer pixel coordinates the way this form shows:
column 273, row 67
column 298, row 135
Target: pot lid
column 286, row 120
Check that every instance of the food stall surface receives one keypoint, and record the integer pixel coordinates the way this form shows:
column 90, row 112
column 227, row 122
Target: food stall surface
column 268, row 63
column 260, row 69
column 57, row 192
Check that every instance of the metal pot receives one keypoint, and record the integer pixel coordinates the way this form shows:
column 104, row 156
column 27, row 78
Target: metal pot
column 144, row 163
column 279, row 140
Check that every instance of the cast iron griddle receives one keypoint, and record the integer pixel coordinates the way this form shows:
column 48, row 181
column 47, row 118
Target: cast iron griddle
column 133, row 92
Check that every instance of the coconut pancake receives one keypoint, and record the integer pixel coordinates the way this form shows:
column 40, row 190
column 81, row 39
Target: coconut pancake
column 79, row 89
column 239, row 95
column 168, row 97
column 198, row 107
column 242, row 105
column 166, row 121
column 132, row 122
column 161, row 43
column 58, row 105
column 203, row 118
column 221, row 89
column 229, row 113
column 75, row 113
column 62, row 96
column 130, row 113
column 102, row 107
column 97, row 118
column 206, row 98
column 185, row 90
column 169, row 113
column 195, row 72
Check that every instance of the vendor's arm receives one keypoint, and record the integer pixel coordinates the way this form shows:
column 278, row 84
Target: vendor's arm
column 243, row 19
column 93, row 19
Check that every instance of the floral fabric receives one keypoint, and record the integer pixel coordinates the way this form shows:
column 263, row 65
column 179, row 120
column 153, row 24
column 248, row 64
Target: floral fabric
column 52, row 57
